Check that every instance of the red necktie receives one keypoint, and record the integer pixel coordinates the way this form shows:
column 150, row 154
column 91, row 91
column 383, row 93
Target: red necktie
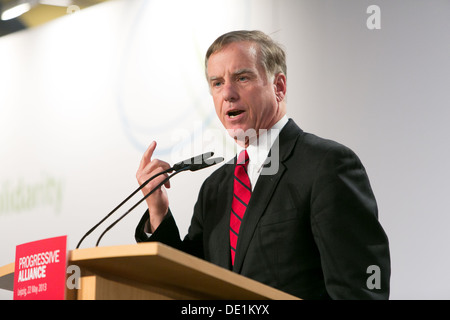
column 241, row 196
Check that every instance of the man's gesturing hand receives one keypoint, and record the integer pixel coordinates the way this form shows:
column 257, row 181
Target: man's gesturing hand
column 158, row 202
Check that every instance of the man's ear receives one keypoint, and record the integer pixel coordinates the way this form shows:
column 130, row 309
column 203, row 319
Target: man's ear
column 280, row 86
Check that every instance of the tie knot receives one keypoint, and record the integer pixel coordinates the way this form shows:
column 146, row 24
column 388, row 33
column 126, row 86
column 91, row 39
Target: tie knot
column 243, row 158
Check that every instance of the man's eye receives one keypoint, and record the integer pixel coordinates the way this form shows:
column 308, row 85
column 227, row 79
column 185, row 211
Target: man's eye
column 243, row 78
column 217, row 84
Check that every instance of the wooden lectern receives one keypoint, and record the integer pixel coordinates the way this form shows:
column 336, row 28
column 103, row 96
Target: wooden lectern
column 153, row 271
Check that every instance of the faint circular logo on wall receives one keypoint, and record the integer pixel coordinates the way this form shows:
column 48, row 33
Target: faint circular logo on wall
column 161, row 89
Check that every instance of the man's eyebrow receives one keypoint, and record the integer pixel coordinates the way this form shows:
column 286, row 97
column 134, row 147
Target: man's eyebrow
column 212, row 78
column 235, row 73
column 242, row 71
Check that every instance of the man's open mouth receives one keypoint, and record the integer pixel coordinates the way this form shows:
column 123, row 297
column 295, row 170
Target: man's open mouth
column 234, row 113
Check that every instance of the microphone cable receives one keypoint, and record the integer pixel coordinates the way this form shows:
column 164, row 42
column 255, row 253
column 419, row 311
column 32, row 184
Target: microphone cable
column 192, row 167
column 178, row 167
column 138, row 203
column 121, row 204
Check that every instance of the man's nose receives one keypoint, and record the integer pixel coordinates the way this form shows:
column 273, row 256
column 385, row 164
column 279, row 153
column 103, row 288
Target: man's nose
column 230, row 92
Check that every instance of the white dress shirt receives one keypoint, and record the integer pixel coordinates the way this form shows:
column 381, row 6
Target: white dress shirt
column 259, row 149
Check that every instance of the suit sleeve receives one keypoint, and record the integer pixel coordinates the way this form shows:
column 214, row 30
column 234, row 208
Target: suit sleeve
column 353, row 246
column 167, row 232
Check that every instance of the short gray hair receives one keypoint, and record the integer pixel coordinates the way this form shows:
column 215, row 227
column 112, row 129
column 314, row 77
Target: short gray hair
column 272, row 56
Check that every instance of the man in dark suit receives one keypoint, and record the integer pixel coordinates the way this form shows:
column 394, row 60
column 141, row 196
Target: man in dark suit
column 306, row 221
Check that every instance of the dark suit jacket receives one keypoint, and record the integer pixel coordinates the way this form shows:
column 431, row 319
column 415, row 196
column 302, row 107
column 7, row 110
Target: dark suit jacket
column 310, row 230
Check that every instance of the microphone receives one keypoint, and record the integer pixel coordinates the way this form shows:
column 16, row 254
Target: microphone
column 206, row 164
column 194, row 160
column 176, row 167
column 191, row 167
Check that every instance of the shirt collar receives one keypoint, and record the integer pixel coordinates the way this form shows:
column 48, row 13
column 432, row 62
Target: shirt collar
column 259, row 148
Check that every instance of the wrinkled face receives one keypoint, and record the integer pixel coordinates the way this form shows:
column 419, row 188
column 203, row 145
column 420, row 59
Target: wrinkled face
column 244, row 98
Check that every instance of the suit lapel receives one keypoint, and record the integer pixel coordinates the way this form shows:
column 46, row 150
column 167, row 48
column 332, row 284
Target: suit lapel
column 264, row 188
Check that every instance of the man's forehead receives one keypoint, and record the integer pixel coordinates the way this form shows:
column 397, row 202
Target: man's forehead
column 235, row 58
column 247, row 48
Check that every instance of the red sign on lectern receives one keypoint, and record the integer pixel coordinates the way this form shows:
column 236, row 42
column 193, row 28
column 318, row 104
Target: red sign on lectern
column 40, row 270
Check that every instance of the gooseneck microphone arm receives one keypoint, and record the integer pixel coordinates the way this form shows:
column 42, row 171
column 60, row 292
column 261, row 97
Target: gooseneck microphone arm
column 192, row 167
column 121, row 204
column 176, row 167
column 138, row 203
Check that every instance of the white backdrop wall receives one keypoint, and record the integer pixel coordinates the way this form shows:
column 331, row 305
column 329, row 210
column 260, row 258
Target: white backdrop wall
column 83, row 96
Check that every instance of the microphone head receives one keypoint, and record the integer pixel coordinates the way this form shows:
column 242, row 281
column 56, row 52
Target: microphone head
column 194, row 160
column 205, row 164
